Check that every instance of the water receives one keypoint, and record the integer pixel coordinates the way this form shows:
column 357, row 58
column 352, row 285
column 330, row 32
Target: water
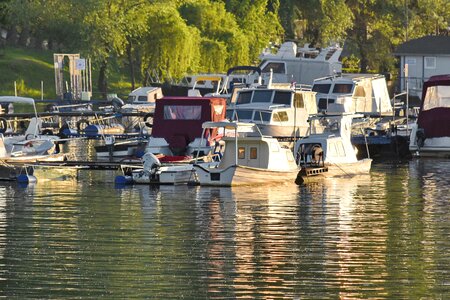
column 381, row 236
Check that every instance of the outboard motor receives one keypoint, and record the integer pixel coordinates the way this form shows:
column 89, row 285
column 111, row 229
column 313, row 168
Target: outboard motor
column 151, row 163
column 117, row 103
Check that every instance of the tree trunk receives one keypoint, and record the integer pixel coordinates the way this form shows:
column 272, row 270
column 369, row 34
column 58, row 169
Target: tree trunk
column 11, row 38
column 24, row 36
column 102, row 80
column 131, row 63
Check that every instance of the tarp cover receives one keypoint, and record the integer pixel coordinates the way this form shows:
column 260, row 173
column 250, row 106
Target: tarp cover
column 434, row 116
column 179, row 119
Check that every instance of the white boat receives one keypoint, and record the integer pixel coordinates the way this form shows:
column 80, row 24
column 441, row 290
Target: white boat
column 430, row 136
column 300, row 65
column 18, row 150
column 329, row 153
column 353, row 93
column 177, row 125
column 249, row 158
column 279, row 110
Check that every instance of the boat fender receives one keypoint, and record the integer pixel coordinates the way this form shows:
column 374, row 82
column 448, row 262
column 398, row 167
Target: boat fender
column 24, row 178
column 122, row 180
column 3, row 125
column 420, row 137
column 82, row 124
column 147, row 118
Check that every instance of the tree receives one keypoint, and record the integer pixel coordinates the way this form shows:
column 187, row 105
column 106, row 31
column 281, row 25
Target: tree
column 170, row 47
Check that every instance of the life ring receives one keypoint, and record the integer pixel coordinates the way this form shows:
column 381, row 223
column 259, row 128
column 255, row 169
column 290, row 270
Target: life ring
column 147, row 119
column 82, row 124
column 3, row 125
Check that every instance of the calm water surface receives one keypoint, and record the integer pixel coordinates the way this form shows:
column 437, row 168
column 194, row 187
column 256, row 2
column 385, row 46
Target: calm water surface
column 383, row 236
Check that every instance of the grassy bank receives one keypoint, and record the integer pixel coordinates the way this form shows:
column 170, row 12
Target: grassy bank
column 28, row 68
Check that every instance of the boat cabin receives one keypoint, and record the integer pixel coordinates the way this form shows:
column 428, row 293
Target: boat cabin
column 147, row 94
column 278, row 111
column 430, row 136
column 353, row 93
column 300, row 65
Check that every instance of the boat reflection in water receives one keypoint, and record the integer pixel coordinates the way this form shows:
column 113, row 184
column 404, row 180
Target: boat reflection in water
column 383, row 235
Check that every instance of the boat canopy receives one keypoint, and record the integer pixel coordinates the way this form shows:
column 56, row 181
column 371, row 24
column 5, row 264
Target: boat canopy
column 435, row 107
column 179, row 119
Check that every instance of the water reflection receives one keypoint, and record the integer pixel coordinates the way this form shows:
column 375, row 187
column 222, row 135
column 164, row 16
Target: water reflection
column 379, row 236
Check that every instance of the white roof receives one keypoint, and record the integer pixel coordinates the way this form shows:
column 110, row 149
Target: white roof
column 4, row 99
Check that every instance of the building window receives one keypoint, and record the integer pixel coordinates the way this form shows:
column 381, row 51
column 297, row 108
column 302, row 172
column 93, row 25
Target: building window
column 253, row 153
column 430, row 62
column 410, row 61
column 241, row 153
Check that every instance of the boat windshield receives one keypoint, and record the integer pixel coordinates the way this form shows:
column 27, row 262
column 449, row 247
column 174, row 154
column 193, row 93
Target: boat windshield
column 282, row 98
column 244, row 97
column 244, row 114
column 261, row 116
column 437, row 96
column 342, row 88
column 262, row 96
column 321, row 88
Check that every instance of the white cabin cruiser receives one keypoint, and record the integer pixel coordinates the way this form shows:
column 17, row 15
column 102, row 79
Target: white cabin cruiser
column 300, row 65
column 249, row 158
column 430, row 136
column 329, row 153
column 278, row 110
column 353, row 93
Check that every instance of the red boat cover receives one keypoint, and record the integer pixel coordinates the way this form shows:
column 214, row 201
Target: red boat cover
column 435, row 121
column 179, row 119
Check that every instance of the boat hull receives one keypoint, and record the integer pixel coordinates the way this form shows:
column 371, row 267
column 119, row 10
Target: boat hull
column 361, row 167
column 165, row 175
column 241, row 175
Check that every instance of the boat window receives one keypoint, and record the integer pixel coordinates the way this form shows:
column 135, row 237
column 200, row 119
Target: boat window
column 230, row 114
column 282, row 98
column 321, row 88
column 342, row 88
column 130, row 98
column 437, row 96
column 182, row 112
column 340, row 149
column 261, row 116
column 274, row 147
column 277, row 68
column 244, row 114
column 323, row 103
column 142, row 98
column 359, row 91
column 262, row 96
column 244, row 97
column 289, row 155
column 253, row 153
column 280, row 116
column 241, row 152
column 299, row 102
column 332, row 151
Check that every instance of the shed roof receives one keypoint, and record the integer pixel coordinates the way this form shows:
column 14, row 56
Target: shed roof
column 427, row 45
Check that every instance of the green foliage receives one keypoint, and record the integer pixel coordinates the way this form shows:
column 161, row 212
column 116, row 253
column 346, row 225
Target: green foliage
column 171, row 47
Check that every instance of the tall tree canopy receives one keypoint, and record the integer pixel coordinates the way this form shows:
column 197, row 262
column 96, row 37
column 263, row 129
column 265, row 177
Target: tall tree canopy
column 170, row 38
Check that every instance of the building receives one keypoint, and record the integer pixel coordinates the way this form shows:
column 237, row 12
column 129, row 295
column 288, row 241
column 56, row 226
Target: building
column 425, row 57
